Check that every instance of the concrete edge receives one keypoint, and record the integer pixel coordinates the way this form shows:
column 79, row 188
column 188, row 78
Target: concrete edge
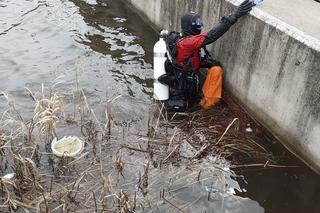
column 297, row 34
column 143, row 16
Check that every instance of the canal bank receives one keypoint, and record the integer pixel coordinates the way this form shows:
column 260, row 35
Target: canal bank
column 271, row 67
column 91, row 61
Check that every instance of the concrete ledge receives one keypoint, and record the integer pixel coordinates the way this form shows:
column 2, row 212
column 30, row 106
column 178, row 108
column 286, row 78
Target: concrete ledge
column 272, row 68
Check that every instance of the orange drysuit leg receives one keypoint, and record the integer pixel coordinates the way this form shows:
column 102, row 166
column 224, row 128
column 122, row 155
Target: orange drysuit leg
column 212, row 87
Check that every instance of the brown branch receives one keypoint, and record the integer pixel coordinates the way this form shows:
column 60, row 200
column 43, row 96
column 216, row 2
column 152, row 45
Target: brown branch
column 262, row 165
column 134, row 149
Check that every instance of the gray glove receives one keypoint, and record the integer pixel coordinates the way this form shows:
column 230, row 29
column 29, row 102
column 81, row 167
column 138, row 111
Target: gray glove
column 244, row 8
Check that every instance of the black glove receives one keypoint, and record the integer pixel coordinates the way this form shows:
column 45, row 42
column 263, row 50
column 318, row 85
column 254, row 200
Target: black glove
column 244, row 8
column 216, row 63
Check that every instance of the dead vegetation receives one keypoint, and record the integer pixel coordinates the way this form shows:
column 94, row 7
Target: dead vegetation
column 120, row 171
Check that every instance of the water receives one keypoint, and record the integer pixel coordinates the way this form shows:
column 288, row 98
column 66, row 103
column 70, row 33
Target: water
column 43, row 40
column 283, row 189
column 109, row 49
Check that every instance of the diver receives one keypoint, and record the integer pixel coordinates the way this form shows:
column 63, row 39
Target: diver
column 185, row 60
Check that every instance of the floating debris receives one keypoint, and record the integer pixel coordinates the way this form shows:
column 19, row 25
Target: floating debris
column 70, row 146
column 8, row 176
column 249, row 129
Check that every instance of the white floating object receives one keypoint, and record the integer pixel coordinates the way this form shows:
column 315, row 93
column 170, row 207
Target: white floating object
column 231, row 191
column 249, row 129
column 9, row 176
column 70, row 146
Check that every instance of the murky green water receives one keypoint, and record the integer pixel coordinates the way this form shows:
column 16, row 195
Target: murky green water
column 109, row 48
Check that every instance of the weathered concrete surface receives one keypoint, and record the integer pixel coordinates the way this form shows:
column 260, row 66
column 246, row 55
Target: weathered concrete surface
column 302, row 14
column 270, row 66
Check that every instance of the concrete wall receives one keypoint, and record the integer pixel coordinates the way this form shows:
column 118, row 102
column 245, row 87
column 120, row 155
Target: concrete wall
column 271, row 67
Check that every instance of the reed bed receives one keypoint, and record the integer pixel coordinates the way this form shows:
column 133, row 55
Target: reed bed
column 165, row 169
column 229, row 132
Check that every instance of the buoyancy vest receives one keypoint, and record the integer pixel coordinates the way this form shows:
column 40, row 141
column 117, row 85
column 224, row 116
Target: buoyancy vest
column 184, row 62
column 188, row 52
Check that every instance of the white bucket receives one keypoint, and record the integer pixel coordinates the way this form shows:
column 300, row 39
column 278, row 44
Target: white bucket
column 70, row 146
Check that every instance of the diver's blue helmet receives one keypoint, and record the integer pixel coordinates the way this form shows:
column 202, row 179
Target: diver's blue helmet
column 191, row 24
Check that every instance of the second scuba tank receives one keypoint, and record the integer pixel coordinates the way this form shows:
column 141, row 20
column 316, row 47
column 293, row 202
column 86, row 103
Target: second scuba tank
column 161, row 91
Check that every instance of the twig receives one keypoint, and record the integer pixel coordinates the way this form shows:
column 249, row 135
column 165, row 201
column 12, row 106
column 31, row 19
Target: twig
column 228, row 127
column 262, row 165
column 45, row 201
column 135, row 149
column 172, row 204
column 171, row 153
column 95, row 202
column 205, row 146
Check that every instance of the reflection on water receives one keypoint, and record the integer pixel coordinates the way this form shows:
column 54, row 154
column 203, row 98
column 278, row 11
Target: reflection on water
column 42, row 40
column 109, row 48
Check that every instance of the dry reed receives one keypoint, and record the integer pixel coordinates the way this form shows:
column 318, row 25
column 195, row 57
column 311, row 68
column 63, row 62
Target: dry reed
column 119, row 173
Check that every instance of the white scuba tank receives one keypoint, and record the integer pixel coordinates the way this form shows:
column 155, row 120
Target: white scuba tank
column 161, row 91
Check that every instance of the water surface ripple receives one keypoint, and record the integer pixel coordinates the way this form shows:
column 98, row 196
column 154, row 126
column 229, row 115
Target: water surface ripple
column 41, row 40
column 109, row 48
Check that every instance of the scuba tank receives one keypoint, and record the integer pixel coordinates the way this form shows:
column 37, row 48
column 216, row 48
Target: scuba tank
column 161, row 91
